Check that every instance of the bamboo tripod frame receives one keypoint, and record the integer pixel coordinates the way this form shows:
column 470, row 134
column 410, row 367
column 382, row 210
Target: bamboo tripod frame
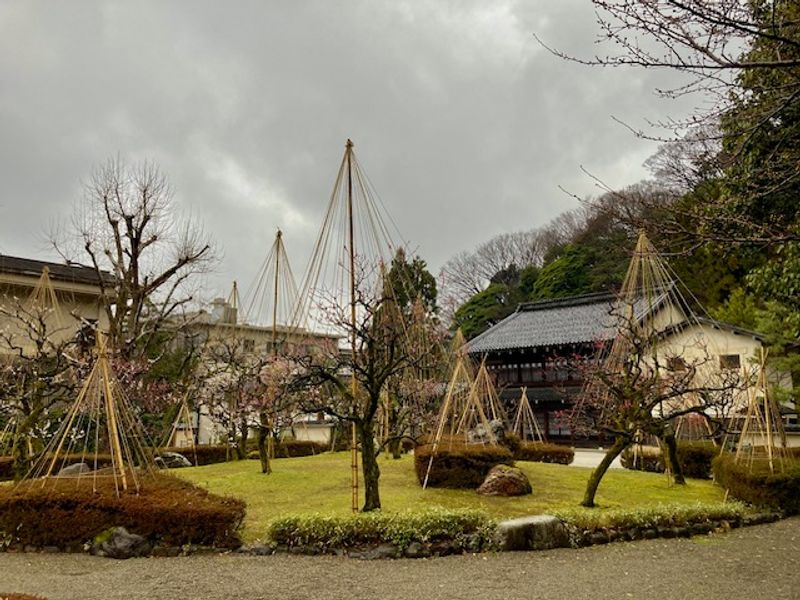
column 100, row 404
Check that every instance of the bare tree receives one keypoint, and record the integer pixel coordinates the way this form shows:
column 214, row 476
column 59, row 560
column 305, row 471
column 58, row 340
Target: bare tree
column 38, row 371
column 642, row 387
column 742, row 59
column 382, row 353
column 126, row 226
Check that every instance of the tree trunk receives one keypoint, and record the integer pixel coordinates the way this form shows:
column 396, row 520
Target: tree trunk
column 594, row 480
column 19, row 452
column 241, row 448
column 369, row 464
column 264, row 439
column 21, row 447
column 396, row 447
column 671, row 457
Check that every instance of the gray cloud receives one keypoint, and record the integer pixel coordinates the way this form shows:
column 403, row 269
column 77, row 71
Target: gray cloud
column 465, row 125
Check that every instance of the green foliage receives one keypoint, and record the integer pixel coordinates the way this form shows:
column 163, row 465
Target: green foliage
column 758, row 486
column 412, row 280
column 659, row 515
column 486, row 308
column 70, row 512
column 544, row 452
column 330, row 531
column 459, row 465
column 566, row 275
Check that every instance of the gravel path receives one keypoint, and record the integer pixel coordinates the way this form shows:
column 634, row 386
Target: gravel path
column 756, row 562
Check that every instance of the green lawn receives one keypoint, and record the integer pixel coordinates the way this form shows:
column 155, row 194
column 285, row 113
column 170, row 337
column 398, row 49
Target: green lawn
column 322, row 484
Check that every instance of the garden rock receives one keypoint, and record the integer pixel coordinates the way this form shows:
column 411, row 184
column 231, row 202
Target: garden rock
column 541, row 532
column 172, row 460
column 481, row 435
column 416, row 550
column 503, row 480
column 74, row 470
column 118, row 543
column 377, row 552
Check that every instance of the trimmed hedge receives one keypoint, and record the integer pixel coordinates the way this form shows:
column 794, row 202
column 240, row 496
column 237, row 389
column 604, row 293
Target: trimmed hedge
column 459, row 465
column 544, row 452
column 6, row 468
column 660, row 515
column 293, row 449
column 695, row 459
column 206, row 455
column 644, row 458
column 67, row 513
column 103, row 461
column 325, row 533
column 757, row 486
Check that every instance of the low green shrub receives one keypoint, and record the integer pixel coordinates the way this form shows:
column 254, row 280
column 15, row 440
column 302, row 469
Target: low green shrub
column 511, row 441
column 289, row 448
column 459, row 465
column 323, row 532
column 642, row 458
column 69, row 512
column 695, row 459
column 204, row 454
column 660, row 515
column 779, row 490
column 544, row 452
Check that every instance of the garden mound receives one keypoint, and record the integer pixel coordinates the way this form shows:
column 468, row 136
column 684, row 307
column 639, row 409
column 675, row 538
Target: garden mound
column 544, row 452
column 67, row 513
column 459, row 465
column 695, row 459
column 779, row 490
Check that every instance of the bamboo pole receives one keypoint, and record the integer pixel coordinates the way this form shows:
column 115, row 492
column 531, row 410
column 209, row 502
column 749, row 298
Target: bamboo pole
column 353, row 384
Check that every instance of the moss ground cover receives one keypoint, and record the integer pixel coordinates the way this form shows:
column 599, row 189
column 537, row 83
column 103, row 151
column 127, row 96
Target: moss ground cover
column 321, row 484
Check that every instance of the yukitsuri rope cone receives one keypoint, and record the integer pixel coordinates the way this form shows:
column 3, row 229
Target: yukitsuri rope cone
column 762, row 437
column 100, row 423
column 467, row 406
column 526, row 427
column 355, row 244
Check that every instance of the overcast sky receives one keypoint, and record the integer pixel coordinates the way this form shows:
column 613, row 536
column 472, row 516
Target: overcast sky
column 464, row 124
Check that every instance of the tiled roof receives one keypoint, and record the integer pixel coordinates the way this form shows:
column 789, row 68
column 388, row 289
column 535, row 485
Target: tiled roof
column 549, row 323
column 58, row 271
column 566, row 321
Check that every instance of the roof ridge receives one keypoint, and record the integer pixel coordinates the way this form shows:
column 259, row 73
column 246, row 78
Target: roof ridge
column 594, row 298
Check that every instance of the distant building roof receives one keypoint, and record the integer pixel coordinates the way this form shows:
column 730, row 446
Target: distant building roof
column 577, row 320
column 568, row 321
column 58, row 271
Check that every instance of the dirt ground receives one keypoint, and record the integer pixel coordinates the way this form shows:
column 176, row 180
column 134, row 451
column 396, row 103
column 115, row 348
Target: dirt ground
column 751, row 563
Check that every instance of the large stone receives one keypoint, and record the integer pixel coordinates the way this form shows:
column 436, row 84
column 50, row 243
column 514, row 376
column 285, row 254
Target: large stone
column 503, row 480
column 172, row 460
column 541, row 532
column 118, row 543
column 481, row 435
column 74, row 470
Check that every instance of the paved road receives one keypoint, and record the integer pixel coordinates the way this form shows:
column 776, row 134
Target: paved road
column 752, row 563
column 591, row 458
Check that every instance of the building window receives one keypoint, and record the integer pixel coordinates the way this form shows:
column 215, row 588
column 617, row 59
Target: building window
column 729, row 362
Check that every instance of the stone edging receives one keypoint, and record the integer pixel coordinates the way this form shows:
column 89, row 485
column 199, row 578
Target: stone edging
column 539, row 532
